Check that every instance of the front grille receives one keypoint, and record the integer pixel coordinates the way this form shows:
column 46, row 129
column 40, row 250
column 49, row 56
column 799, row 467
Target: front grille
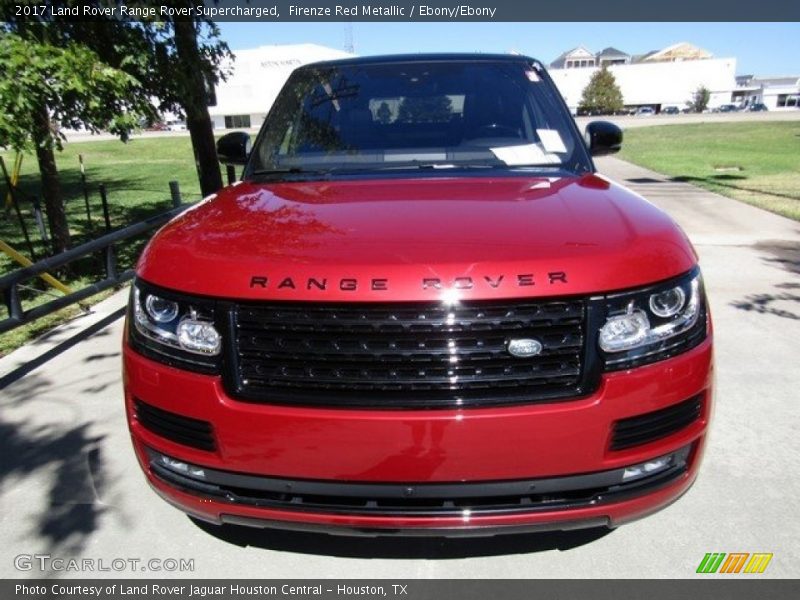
column 175, row 427
column 652, row 426
column 406, row 355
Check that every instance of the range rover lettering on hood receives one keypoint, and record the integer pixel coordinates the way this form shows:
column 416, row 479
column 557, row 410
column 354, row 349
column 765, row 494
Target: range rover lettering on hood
column 378, row 284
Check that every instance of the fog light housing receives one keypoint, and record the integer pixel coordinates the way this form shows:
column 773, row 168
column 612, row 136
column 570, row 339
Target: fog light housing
column 645, row 469
column 182, row 468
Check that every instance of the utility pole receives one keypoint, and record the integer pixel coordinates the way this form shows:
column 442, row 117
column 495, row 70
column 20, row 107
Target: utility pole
column 348, row 38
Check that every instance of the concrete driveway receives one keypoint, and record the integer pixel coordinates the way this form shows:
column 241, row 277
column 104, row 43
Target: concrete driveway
column 70, row 487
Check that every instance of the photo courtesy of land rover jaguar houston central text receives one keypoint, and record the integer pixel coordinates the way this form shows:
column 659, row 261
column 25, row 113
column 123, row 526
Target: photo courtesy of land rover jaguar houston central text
column 420, row 312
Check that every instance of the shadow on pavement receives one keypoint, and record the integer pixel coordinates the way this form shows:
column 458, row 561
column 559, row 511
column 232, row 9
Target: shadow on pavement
column 72, row 464
column 644, row 180
column 784, row 255
column 400, row 547
column 765, row 304
column 725, row 179
column 96, row 328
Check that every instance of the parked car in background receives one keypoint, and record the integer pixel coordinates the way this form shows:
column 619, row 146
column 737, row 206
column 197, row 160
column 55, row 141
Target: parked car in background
column 726, row 108
column 176, row 125
column 645, row 111
column 670, row 110
column 757, row 107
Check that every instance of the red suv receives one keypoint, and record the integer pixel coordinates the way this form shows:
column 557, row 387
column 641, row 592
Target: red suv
column 421, row 311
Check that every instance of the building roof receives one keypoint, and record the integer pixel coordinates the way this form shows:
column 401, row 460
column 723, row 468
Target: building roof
column 793, row 80
column 679, row 51
column 577, row 52
column 611, row 52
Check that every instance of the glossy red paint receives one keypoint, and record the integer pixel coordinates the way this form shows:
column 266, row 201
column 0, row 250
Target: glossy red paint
column 520, row 442
column 476, row 235
column 528, row 441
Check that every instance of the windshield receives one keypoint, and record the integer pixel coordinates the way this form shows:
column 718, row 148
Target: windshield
column 449, row 114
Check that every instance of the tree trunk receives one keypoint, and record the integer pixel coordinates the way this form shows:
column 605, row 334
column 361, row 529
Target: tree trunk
column 51, row 186
column 195, row 103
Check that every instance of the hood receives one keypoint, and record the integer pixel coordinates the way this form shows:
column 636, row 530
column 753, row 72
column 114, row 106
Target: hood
column 417, row 239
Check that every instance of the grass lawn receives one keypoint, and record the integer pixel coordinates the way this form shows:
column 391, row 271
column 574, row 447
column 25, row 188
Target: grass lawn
column 757, row 163
column 136, row 175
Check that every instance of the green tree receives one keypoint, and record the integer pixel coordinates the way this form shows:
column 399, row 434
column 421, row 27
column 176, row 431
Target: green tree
column 178, row 62
column 165, row 66
column 425, row 109
column 699, row 101
column 44, row 86
column 602, row 94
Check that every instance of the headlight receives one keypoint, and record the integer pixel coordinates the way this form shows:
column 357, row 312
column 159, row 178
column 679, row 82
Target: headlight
column 175, row 329
column 654, row 323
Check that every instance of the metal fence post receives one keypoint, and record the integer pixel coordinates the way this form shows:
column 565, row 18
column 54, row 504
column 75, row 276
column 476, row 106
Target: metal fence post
column 86, row 194
column 9, row 290
column 175, row 193
column 13, row 191
column 104, row 201
column 111, row 262
column 37, row 213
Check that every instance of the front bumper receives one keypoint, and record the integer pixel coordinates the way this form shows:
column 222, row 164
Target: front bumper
column 459, row 451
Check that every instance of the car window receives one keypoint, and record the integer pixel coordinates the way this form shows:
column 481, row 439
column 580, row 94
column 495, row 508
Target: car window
column 390, row 115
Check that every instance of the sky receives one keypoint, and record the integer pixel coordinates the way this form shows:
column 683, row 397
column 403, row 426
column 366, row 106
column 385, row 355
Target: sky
column 760, row 48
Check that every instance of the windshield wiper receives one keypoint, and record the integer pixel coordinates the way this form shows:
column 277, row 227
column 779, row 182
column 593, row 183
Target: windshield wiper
column 280, row 171
column 433, row 165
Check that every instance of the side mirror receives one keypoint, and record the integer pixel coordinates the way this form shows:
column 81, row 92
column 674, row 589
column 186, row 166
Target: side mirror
column 603, row 138
column 234, row 148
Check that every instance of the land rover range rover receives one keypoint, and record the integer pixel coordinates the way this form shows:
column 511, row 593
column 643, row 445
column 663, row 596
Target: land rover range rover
column 422, row 311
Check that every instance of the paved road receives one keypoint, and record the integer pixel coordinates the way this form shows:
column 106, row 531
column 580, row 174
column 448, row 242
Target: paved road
column 69, row 485
column 628, row 122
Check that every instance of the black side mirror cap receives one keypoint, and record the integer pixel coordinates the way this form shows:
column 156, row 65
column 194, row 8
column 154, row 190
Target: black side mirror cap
column 603, row 138
column 234, row 148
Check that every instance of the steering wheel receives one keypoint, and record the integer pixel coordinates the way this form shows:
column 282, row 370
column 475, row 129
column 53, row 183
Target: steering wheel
column 497, row 130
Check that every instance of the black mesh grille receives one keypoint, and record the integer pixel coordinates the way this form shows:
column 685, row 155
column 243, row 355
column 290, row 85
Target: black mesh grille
column 175, row 427
column 407, row 355
column 655, row 425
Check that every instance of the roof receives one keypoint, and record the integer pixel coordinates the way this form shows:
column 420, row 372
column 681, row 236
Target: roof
column 611, row 52
column 562, row 58
column 427, row 57
column 776, row 81
column 679, row 51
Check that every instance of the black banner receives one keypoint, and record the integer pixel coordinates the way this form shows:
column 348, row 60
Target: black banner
column 415, row 11
column 166, row 589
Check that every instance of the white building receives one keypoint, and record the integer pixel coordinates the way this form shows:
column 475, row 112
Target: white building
column 668, row 77
column 258, row 75
column 776, row 93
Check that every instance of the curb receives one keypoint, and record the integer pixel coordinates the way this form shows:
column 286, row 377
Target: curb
column 35, row 353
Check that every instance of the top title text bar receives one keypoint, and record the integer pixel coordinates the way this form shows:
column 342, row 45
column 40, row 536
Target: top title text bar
column 414, row 11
